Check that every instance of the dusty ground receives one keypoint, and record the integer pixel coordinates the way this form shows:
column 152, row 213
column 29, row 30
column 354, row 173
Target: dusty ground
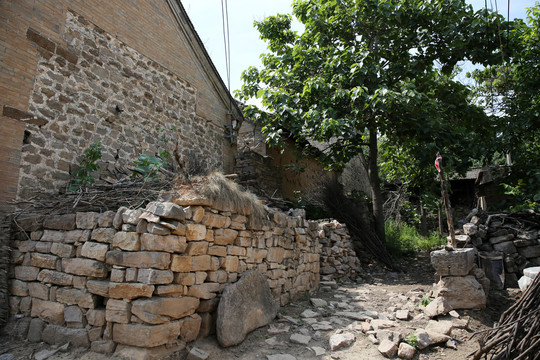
column 379, row 291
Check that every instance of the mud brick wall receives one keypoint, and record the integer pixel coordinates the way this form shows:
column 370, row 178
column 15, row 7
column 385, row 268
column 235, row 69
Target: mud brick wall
column 149, row 280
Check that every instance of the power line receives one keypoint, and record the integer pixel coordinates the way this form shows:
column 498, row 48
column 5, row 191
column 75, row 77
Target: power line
column 226, row 41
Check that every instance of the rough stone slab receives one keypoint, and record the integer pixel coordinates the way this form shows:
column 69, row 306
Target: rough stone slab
column 507, row 247
column 339, row 341
column 169, row 243
column 26, row 273
column 141, row 335
column 103, row 346
column 86, row 220
column 53, row 235
column 118, row 217
column 244, row 306
column 280, row 357
column 300, row 339
column 167, row 210
column 530, row 251
column 94, row 250
column 204, row 291
column 60, row 222
column 30, row 222
column 70, row 296
column 129, row 241
column 153, row 276
column 85, row 267
column 195, row 232
column 118, row 311
column 62, row 250
column 104, row 235
column 73, row 314
column 55, row 277
column 129, row 291
column 35, row 330
column 131, row 217
column 462, row 292
column 96, row 317
column 140, row 259
column 387, row 348
column 38, row 290
column 56, row 335
column 158, row 229
column 406, row 351
column 18, row 288
column 440, row 327
column 48, row 311
column 155, row 353
column 225, row 236
column 98, row 287
column 500, row 239
column 106, row 219
column 74, row 236
column 46, row 261
column 197, row 354
column 438, row 306
column 161, row 310
column 456, row 263
column 531, row 272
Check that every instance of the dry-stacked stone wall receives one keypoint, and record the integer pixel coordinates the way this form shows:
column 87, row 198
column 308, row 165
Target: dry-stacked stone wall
column 512, row 237
column 149, row 280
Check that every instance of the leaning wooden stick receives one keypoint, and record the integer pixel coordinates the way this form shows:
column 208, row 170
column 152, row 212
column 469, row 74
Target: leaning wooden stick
column 446, row 200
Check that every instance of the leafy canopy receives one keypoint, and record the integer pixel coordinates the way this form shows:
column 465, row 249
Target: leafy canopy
column 511, row 91
column 370, row 64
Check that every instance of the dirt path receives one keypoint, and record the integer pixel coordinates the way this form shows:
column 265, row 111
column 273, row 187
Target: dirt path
column 303, row 329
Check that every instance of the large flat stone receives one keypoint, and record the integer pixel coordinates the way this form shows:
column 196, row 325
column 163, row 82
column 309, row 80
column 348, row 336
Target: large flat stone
column 141, row 335
column 161, row 310
column 130, row 290
column 462, row 292
column 85, row 267
column 140, row 259
column 48, row 311
column 456, row 263
column 244, row 306
column 167, row 210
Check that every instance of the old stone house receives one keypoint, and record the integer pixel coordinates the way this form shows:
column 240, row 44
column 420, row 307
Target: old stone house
column 128, row 74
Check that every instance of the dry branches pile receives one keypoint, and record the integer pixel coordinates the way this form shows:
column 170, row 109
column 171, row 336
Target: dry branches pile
column 96, row 198
column 517, row 337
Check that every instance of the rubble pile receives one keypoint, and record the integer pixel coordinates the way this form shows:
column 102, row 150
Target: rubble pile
column 514, row 238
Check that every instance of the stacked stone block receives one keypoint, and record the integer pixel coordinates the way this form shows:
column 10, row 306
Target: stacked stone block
column 338, row 258
column 519, row 244
column 149, row 279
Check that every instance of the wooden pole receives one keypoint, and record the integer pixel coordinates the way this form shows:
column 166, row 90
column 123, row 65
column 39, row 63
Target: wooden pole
column 446, row 200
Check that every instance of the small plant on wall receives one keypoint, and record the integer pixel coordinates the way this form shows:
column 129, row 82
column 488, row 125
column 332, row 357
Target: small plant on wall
column 82, row 177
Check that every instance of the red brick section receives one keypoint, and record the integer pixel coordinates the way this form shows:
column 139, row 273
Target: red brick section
column 11, row 138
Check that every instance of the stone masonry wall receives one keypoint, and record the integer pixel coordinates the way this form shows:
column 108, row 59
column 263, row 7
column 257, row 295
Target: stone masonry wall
column 99, row 89
column 140, row 281
column 511, row 236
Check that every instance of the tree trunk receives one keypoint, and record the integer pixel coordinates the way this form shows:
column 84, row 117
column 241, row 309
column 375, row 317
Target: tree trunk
column 376, row 194
column 423, row 220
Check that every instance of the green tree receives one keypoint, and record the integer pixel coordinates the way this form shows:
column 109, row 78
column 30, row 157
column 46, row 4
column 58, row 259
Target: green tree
column 511, row 91
column 364, row 70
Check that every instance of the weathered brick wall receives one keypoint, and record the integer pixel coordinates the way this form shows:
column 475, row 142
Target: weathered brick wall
column 147, row 31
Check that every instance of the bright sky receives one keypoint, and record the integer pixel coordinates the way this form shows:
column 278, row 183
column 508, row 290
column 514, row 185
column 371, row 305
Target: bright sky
column 245, row 44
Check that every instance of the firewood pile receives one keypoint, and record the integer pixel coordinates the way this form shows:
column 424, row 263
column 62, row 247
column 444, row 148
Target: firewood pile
column 517, row 336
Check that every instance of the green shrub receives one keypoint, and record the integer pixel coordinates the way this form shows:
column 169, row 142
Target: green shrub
column 403, row 239
column 83, row 177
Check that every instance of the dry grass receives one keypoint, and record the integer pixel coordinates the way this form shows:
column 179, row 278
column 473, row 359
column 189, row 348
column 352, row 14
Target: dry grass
column 225, row 193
